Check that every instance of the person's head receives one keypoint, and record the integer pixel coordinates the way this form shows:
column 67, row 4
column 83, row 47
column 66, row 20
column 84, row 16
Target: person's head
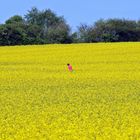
column 68, row 64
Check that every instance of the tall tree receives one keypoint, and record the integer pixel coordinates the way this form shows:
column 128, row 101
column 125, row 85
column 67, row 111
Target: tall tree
column 50, row 24
column 15, row 20
column 11, row 34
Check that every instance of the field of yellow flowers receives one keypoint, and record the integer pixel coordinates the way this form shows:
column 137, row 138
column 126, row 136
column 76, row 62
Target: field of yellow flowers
column 41, row 100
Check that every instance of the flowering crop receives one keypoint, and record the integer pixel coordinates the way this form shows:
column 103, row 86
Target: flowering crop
column 41, row 100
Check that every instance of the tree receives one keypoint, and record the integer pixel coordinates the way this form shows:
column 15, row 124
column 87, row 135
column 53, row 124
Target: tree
column 33, row 35
column 84, row 33
column 58, row 34
column 74, row 37
column 10, row 34
column 105, row 32
column 111, row 30
column 15, row 20
column 54, row 28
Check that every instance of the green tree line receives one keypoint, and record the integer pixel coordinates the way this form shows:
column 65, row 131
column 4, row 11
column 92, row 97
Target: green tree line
column 46, row 27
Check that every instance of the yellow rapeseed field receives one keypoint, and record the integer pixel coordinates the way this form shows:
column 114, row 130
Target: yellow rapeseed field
column 41, row 100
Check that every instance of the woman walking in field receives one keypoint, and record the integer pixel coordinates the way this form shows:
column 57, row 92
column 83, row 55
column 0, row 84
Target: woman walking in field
column 69, row 67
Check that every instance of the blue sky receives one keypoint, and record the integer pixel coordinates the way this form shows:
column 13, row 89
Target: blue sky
column 74, row 11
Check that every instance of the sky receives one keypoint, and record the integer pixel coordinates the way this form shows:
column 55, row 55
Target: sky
column 74, row 11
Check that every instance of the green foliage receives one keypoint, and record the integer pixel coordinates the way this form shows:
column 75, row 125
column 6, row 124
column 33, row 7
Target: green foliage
column 11, row 34
column 33, row 35
column 15, row 20
column 74, row 37
column 46, row 27
column 111, row 30
column 58, row 34
column 54, row 28
column 38, row 27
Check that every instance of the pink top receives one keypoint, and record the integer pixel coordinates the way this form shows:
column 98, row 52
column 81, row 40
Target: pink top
column 70, row 68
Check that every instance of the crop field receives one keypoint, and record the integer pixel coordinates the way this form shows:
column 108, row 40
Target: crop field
column 41, row 100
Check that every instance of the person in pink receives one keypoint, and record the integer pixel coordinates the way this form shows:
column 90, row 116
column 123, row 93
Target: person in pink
column 69, row 67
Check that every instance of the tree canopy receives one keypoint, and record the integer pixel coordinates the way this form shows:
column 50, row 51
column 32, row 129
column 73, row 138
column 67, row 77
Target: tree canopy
column 46, row 27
